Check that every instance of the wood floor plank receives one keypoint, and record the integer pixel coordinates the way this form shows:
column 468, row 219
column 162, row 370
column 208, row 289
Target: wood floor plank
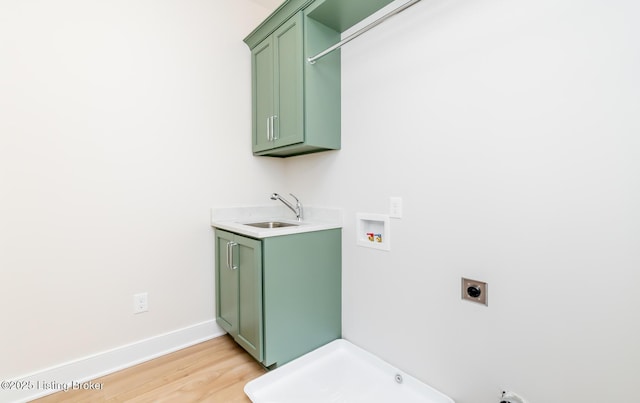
column 212, row 371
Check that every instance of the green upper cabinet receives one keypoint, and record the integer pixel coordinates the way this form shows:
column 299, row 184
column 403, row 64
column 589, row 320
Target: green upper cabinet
column 295, row 104
column 278, row 88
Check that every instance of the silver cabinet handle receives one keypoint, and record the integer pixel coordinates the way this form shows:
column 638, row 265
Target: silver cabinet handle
column 231, row 245
column 230, row 265
column 230, row 255
column 273, row 129
column 269, row 128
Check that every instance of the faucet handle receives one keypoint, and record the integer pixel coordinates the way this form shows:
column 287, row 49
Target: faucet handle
column 292, row 195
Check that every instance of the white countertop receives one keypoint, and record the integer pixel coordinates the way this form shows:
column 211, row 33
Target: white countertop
column 234, row 219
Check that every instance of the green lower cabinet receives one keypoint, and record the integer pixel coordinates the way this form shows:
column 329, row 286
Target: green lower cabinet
column 279, row 297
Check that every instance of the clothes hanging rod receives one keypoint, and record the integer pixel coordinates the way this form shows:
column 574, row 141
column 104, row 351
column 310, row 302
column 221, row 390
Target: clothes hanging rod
column 361, row 31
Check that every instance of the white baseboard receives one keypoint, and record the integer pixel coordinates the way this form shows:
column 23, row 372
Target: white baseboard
column 78, row 373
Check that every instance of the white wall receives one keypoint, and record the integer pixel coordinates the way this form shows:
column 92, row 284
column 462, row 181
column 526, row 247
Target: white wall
column 507, row 127
column 121, row 124
column 511, row 130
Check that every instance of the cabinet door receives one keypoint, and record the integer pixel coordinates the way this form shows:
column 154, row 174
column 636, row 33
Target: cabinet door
column 239, row 290
column 263, row 94
column 226, row 285
column 248, row 255
column 288, row 82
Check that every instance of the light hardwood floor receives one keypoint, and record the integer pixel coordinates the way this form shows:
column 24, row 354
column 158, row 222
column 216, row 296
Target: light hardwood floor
column 213, row 371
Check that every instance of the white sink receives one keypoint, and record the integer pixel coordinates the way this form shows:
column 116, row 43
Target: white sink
column 271, row 224
column 269, row 221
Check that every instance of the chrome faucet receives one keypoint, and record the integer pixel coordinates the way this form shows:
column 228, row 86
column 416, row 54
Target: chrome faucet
column 297, row 209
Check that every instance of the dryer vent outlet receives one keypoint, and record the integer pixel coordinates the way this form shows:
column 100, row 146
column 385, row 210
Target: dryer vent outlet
column 474, row 291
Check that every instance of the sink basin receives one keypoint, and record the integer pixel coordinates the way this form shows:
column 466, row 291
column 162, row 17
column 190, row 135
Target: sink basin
column 271, row 224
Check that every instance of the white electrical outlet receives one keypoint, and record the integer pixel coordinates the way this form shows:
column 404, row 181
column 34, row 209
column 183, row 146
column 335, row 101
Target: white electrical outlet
column 395, row 207
column 140, row 302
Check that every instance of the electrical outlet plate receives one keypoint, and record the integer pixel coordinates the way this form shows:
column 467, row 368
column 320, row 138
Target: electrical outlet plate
column 395, row 207
column 474, row 291
column 140, row 302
